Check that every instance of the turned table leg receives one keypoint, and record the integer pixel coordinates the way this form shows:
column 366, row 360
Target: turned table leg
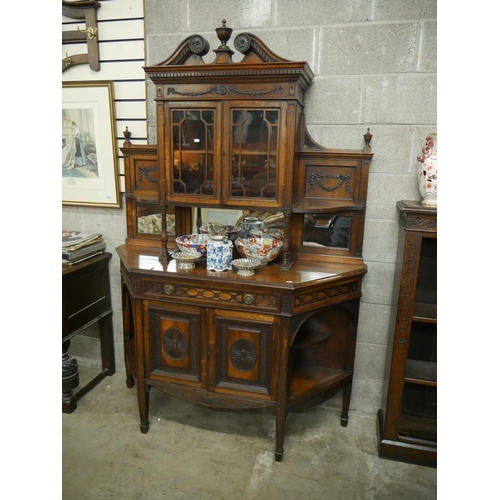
column 70, row 379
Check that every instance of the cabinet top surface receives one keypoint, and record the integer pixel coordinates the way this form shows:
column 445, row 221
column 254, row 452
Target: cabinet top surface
column 69, row 269
column 147, row 261
column 415, row 206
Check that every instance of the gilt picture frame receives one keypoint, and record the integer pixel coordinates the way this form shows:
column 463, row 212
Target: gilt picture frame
column 90, row 175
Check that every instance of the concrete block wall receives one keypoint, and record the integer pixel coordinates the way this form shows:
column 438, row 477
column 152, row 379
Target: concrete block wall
column 376, row 66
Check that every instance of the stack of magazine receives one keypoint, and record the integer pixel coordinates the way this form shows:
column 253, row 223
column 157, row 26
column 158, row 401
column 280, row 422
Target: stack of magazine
column 78, row 246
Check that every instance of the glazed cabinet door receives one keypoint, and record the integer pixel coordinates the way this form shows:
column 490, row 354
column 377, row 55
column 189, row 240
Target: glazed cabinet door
column 243, row 353
column 192, row 152
column 253, row 153
column 173, row 344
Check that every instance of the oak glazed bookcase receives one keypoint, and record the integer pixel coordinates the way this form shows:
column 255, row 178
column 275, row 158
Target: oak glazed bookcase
column 231, row 135
column 408, row 430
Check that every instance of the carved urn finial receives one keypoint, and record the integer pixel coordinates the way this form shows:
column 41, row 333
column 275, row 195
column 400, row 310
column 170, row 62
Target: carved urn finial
column 224, row 34
column 368, row 138
column 224, row 53
column 127, row 134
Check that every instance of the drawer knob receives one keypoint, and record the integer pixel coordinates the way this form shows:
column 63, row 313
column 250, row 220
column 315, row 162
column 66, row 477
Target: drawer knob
column 248, row 299
column 169, row 289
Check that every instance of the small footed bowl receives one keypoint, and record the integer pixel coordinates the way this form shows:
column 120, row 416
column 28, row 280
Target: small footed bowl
column 193, row 242
column 185, row 260
column 266, row 249
column 246, row 267
column 230, row 231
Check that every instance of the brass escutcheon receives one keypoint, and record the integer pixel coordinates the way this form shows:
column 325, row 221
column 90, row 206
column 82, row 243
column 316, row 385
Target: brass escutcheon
column 169, row 289
column 248, row 299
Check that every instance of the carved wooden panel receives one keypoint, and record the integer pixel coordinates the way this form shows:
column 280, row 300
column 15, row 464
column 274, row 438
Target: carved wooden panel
column 243, row 355
column 174, row 340
column 336, row 183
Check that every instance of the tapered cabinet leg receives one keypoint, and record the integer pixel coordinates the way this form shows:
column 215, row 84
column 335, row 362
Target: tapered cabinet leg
column 281, row 416
column 143, row 395
column 346, row 401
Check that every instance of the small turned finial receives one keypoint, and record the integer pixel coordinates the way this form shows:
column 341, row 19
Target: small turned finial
column 224, row 34
column 127, row 136
column 368, row 138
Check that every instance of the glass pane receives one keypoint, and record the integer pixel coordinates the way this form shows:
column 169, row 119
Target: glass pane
column 327, row 230
column 254, row 152
column 193, row 139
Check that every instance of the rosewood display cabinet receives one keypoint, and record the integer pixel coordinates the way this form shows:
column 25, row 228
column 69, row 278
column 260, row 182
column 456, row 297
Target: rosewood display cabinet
column 408, row 429
column 232, row 137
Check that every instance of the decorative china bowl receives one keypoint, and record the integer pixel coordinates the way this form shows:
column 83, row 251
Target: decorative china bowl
column 186, row 259
column 193, row 242
column 246, row 267
column 260, row 247
column 222, row 229
column 274, row 232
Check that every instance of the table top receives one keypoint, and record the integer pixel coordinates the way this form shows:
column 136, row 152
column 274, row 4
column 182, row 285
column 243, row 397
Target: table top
column 146, row 260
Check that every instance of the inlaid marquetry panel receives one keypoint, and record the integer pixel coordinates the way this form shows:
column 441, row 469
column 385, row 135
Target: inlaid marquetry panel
column 213, row 295
column 325, row 294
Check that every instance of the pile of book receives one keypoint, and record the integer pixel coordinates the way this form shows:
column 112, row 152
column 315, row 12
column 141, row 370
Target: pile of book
column 78, row 246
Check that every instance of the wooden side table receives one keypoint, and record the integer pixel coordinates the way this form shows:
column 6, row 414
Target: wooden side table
column 86, row 300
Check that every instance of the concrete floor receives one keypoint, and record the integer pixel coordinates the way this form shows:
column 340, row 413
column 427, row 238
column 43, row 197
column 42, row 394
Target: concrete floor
column 192, row 452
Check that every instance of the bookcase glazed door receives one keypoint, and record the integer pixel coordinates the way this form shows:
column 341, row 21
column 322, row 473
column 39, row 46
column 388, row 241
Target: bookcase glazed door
column 174, row 346
column 252, row 153
column 192, row 149
column 242, row 354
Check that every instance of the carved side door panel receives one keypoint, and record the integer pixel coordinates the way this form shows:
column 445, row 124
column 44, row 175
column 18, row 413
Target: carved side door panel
column 242, row 352
column 174, row 346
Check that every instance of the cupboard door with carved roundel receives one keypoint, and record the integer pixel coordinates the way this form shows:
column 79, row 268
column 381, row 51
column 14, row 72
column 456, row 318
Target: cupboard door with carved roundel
column 242, row 353
column 175, row 344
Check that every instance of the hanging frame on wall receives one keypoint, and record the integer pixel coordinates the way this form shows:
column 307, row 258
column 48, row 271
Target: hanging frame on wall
column 89, row 153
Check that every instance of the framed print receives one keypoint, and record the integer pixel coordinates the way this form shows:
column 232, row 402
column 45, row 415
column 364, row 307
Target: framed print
column 89, row 152
column 215, row 215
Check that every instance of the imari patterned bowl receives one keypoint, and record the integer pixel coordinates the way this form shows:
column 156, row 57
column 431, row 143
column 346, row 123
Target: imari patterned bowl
column 222, row 229
column 193, row 242
column 264, row 248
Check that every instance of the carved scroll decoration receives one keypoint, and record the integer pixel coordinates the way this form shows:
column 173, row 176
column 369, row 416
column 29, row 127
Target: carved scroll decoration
column 226, row 91
column 413, row 248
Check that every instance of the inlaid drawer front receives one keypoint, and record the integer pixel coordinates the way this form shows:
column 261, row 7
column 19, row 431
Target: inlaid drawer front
column 200, row 294
column 325, row 295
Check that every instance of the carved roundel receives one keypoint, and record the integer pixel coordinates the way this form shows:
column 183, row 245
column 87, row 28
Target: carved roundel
column 243, row 355
column 242, row 42
column 174, row 343
column 198, row 45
